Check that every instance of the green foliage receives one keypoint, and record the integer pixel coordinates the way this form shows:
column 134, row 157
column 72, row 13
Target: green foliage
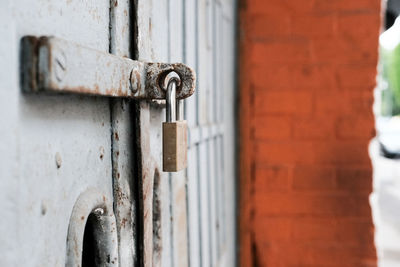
column 390, row 72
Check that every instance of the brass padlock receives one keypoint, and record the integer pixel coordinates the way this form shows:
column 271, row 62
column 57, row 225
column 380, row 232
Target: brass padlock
column 174, row 129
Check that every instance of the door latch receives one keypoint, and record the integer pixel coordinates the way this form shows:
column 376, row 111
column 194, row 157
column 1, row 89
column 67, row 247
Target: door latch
column 54, row 65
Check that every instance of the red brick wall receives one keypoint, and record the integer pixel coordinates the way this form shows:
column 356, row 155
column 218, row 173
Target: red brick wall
column 307, row 73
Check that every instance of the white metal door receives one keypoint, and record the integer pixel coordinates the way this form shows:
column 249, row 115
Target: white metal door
column 64, row 157
column 189, row 217
column 55, row 149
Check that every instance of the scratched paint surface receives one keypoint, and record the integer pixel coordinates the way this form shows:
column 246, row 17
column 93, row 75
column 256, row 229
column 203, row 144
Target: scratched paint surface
column 59, row 145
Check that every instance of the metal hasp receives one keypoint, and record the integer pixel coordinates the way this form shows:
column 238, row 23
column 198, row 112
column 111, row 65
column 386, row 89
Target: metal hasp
column 50, row 64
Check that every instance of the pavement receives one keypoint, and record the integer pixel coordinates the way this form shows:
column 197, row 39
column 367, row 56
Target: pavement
column 385, row 203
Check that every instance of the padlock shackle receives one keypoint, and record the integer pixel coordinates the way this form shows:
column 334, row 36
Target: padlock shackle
column 171, row 101
column 170, row 83
column 179, row 110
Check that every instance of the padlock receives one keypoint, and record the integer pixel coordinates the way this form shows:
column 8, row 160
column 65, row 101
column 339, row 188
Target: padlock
column 174, row 129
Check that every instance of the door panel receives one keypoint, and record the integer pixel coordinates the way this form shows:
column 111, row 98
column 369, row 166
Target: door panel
column 194, row 222
column 61, row 143
column 64, row 156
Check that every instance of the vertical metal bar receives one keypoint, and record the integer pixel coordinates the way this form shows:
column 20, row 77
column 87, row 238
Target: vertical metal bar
column 123, row 128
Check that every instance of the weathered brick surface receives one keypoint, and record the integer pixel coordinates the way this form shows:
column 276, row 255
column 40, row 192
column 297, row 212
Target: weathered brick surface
column 307, row 71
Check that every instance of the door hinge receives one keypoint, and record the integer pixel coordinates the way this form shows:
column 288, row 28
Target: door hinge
column 54, row 65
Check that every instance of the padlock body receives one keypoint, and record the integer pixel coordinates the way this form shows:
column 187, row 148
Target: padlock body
column 174, row 146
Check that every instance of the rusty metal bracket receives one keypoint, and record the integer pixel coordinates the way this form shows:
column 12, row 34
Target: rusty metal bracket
column 53, row 65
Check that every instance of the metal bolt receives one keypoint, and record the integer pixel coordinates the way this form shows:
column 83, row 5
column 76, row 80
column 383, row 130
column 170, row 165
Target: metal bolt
column 58, row 160
column 60, row 63
column 98, row 211
column 101, row 153
column 134, row 81
column 43, row 209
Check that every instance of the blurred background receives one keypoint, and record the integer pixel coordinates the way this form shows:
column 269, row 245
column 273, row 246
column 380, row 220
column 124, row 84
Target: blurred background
column 384, row 149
